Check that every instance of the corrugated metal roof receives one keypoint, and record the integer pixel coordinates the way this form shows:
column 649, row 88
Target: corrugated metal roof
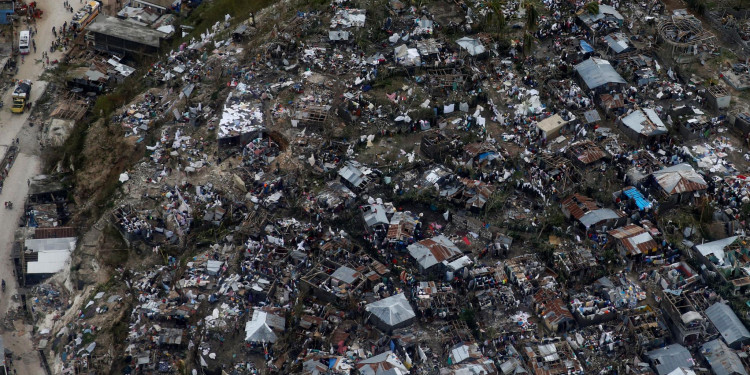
column 716, row 248
column 345, row 274
column 645, row 122
column 432, row 251
column 400, row 231
column 594, row 217
column 376, row 215
column 643, row 242
column 612, row 101
column 393, row 310
column 626, row 231
column 459, row 263
column 477, row 366
column 723, row 361
column 728, row 324
column 680, row 178
column 54, row 232
column 604, row 11
column 556, row 312
column 597, row 72
column 383, row 363
column 586, row 151
column 48, row 262
column 51, row 244
column 578, row 205
column 635, row 239
column 617, row 42
column 352, row 174
column 592, row 116
column 667, row 359
column 52, row 254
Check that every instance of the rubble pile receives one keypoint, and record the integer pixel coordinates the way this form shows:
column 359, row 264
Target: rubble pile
column 424, row 189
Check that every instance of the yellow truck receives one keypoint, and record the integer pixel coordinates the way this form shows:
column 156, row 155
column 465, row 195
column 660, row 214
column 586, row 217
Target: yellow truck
column 21, row 96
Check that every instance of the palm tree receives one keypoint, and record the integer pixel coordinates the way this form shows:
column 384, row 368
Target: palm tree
column 592, row 7
column 495, row 16
column 528, row 42
column 532, row 16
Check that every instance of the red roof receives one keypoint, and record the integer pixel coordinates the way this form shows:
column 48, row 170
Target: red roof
column 635, row 239
column 54, row 232
column 578, row 205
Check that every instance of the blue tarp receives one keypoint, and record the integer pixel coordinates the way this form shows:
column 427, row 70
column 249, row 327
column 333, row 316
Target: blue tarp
column 640, row 201
column 484, row 155
column 586, row 47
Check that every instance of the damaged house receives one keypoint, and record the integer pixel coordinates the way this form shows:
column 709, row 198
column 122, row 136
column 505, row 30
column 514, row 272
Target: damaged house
column 633, row 241
column 438, row 253
column 728, row 258
column 554, row 312
column 332, row 282
column 588, row 213
column 556, row 358
column 678, row 184
column 643, row 126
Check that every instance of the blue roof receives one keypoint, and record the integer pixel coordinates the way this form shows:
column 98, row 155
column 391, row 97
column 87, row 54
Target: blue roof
column 586, row 47
column 640, row 200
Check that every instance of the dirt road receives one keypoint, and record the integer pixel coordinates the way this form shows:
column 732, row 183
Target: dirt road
column 12, row 127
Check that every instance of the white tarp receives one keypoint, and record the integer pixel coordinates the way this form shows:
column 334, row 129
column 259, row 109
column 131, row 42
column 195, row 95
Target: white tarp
column 407, row 56
column 473, row 46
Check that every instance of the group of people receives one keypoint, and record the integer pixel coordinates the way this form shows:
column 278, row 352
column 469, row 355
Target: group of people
column 61, row 39
column 8, row 204
column 68, row 7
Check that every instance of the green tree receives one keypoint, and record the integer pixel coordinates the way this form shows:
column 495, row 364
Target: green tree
column 592, row 7
column 528, row 42
column 532, row 17
column 495, row 17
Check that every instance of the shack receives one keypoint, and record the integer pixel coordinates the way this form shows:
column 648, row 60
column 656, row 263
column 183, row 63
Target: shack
column 391, row 313
column 598, row 75
column 679, row 183
column 551, row 126
column 643, row 126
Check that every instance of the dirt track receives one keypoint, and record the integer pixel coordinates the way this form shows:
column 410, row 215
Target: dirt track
column 27, row 164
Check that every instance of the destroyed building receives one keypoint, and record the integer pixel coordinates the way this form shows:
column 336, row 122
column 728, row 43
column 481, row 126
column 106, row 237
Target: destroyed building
column 589, row 213
column 385, row 188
